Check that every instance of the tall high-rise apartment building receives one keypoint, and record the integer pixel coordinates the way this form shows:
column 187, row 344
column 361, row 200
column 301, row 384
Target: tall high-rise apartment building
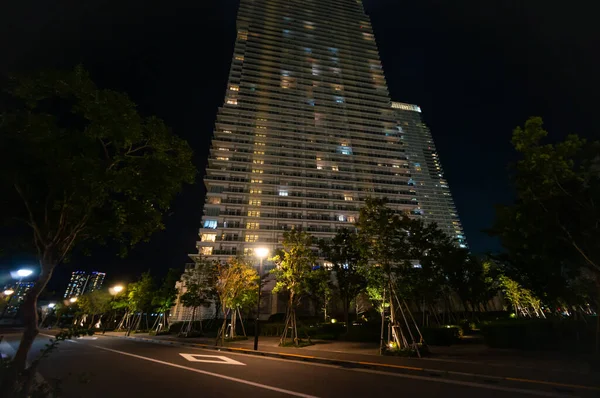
column 83, row 282
column 306, row 132
column 433, row 193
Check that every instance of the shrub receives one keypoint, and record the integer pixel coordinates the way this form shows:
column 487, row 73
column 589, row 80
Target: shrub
column 539, row 334
column 442, row 335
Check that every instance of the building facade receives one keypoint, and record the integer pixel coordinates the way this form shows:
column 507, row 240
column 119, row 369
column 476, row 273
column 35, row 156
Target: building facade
column 306, row 132
column 83, row 282
column 432, row 189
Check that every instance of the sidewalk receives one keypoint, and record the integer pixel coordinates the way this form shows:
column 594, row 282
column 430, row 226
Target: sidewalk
column 471, row 360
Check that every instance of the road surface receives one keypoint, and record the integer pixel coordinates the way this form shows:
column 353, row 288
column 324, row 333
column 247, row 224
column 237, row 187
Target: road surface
column 112, row 367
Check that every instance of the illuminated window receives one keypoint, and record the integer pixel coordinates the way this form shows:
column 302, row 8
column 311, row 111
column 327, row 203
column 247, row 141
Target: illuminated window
column 251, row 238
column 334, row 168
column 341, row 218
column 254, row 202
column 239, row 58
column 253, row 213
column 258, row 161
column 337, row 87
column 344, row 150
column 351, row 219
column 256, row 191
column 259, row 152
column 214, row 200
column 319, row 167
column 283, row 192
column 212, row 224
column 243, row 35
column 223, row 149
column 252, row 225
column 206, row 250
column 208, row 237
column 232, row 101
column 248, row 251
column 368, row 36
column 222, row 158
column 256, row 181
column 234, row 88
column 418, row 166
column 339, row 100
column 348, row 197
column 259, row 143
column 227, row 131
column 260, row 135
column 257, row 171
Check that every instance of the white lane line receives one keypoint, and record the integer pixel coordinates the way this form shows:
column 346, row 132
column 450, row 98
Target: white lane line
column 204, row 372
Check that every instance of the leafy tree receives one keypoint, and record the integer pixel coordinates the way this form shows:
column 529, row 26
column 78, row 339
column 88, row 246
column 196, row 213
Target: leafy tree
column 95, row 303
column 294, row 265
column 344, row 252
column 237, row 287
column 165, row 297
column 140, row 295
column 83, row 166
column 200, row 288
column 550, row 233
column 320, row 289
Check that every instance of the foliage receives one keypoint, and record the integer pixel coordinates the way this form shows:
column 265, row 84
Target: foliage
column 84, row 166
column 95, row 303
column 237, row 283
column 444, row 335
column 164, row 298
column 293, row 272
column 344, row 253
column 141, row 293
column 550, row 233
column 540, row 334
column 200, row 282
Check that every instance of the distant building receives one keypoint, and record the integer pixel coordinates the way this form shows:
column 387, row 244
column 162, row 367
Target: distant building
column 14, row 302
column 83, row 282
column 433, row 195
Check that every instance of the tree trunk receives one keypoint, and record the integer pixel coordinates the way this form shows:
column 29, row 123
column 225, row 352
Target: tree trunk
column 30, row 315
column 347, row 313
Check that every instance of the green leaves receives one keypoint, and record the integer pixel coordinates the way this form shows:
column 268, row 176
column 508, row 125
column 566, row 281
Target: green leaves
column 84, row 164
column 294, row 263
column 550, row 233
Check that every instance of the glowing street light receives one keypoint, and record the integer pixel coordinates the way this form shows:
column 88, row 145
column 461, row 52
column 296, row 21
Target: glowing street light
column 117, row 289
column 8, row 292
column 73, row 299
column 24, row 273
column 51, row 305
column 261, row 253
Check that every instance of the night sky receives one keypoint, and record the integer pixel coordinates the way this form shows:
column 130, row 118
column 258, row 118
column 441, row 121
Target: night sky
column 476, row 68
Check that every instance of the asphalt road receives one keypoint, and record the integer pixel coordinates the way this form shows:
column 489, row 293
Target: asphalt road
column 111, row 367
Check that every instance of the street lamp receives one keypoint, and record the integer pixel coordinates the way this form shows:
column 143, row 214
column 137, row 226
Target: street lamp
column 8, row 292
column 24, row 273
column 73, row 299
column 261, row 253
column 51, row 305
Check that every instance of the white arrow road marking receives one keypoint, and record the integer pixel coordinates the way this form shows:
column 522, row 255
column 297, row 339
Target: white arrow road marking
column 211, row 359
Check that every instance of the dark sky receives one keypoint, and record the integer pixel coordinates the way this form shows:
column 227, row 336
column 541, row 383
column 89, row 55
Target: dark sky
column 476, row 68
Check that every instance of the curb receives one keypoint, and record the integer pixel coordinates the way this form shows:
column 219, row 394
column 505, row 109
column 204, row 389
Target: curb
column 376, row 366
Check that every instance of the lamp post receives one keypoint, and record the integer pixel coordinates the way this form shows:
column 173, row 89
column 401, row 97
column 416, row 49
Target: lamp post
column 114, row 291
column 261, row 253
column 7, row 293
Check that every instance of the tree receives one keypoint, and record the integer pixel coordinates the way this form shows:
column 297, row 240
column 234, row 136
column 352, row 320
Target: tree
column 294, row 263
column 140, row 295
column 165, row 298
column 320, row 289
column 95, row 303
column 200, row 289
column 83, row 166
column 237, row 287
column 551, row 232
column 344, row 253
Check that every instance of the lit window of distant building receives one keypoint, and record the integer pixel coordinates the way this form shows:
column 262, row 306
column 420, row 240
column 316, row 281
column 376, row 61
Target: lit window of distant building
column 206, row 250
column 232, row 101
column 253, row 213
column 283, row 192
column 212, row 224
column 252, row 225
column 251, row 238
column 208, row 237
